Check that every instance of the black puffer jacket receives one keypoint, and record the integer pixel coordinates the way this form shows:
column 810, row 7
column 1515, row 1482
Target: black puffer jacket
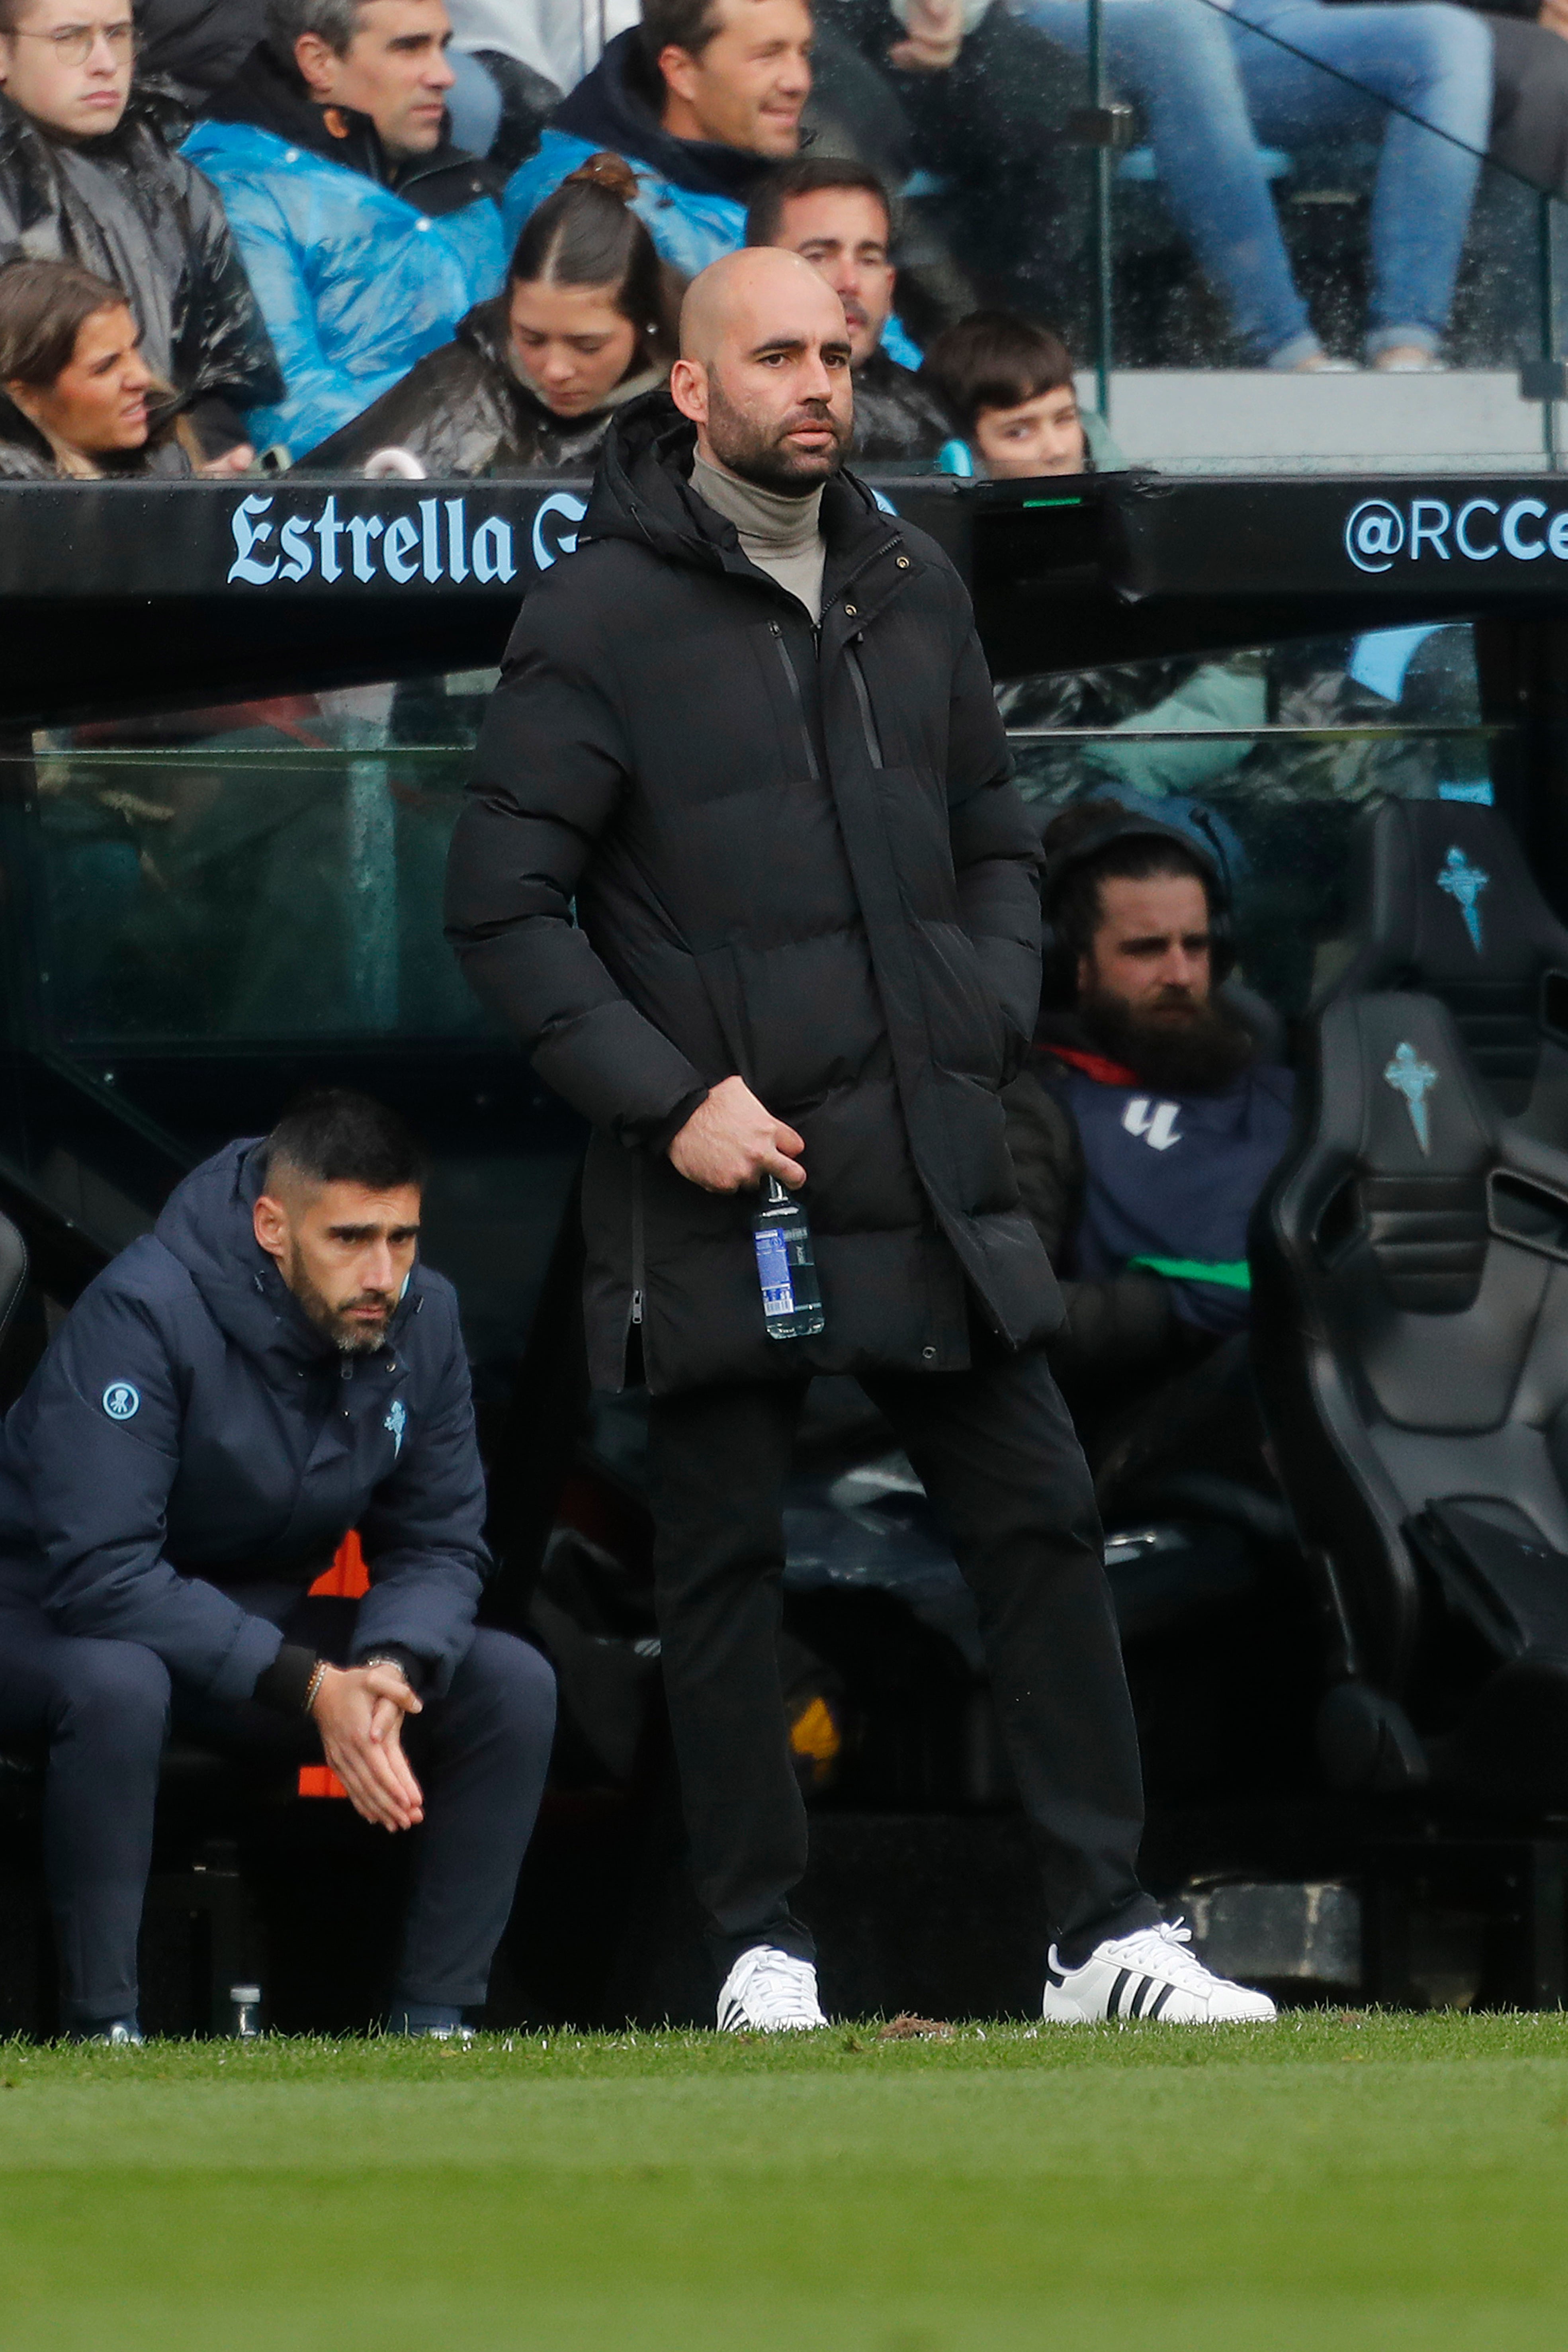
column 804, row 866
column 464, row 410
column 130, row 207
column 897, row 418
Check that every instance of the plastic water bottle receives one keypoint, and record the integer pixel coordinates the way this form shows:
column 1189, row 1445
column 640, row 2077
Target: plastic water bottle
column 245, row 2001
column 791, row 1295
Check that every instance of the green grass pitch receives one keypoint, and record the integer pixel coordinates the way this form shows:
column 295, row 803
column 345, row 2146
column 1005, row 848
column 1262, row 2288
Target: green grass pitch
column 1334, row 2183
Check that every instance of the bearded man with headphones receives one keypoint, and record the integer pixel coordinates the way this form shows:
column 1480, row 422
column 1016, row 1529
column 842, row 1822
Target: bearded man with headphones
column 1147, row 1118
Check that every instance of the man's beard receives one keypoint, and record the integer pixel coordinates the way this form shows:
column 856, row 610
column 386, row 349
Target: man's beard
column 349, row 1339
column 1178, row 1045
column 757, row 451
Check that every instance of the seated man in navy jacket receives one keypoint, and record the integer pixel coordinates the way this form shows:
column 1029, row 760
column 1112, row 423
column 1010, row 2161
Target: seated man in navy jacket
column 268, row 1369
column 1147, row 1119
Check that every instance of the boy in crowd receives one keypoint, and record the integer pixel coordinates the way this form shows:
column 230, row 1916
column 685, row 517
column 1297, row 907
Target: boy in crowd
column 1009, row 385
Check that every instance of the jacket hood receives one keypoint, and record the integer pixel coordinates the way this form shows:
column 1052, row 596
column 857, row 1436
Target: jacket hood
column 270, row 96
column 610, row 109
column 642, row 492
column 206, row 1224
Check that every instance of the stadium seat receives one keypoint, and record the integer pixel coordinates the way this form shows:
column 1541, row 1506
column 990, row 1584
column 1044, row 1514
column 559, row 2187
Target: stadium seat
column 1410, row 1265
column 1442, row 901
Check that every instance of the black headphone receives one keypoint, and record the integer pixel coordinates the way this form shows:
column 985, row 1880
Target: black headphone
column 1061, row 957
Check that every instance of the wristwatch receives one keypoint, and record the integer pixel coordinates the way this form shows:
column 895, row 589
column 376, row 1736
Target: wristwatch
column 385, row 1658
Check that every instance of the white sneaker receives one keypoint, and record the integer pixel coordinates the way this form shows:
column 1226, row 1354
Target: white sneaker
column 1149, row 1974
column 767, row 1991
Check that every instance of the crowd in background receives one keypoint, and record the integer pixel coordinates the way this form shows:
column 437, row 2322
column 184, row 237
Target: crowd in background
column 451, row 236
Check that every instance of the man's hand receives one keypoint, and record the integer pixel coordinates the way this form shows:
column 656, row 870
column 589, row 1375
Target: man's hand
column 359, row 1712
column 1554, row 17
column 731, row 1142
column 237, row 460
column 935, row 35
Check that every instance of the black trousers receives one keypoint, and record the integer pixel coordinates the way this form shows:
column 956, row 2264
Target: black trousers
column 996, row 1451
column 103, row 1710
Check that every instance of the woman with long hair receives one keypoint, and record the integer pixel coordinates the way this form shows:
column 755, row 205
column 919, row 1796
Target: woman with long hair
column 586, row 322
column 78, row 401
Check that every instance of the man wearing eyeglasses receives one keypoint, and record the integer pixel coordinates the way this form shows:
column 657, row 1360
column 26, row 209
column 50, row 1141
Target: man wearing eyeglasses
column 88, row 172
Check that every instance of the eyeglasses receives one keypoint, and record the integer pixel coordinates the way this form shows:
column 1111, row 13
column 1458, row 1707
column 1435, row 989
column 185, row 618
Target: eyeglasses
column 74, row 44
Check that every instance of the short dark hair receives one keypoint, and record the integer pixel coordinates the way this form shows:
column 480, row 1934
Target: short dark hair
column 688, row 25
column 333, row 1136
column 803, row 175
column 1074, row 907
column 44, row 306
column 994, row 359
column 586, row 234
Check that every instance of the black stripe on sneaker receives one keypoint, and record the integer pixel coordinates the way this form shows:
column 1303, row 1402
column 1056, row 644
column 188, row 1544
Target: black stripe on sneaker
column 1146, row 1987
column 1114, row 1997
column 1160, row 1999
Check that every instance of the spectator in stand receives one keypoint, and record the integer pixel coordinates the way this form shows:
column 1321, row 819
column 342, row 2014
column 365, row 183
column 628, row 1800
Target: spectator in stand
column 89, row 173
column 701, row 98
column 837, row 215
column 587, row 321
column 1213, row 80
column 79, row 401
column 1008, row 383
column 368, row 235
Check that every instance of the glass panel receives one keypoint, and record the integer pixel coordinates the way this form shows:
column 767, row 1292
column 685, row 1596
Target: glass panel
column 1210, row 200
column 271, row 871
column 1270, row 755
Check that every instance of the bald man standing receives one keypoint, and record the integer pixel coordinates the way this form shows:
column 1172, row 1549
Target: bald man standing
column 748, row 732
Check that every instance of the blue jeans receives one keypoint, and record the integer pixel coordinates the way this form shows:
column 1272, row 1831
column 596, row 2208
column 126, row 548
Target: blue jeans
column 1209, row 87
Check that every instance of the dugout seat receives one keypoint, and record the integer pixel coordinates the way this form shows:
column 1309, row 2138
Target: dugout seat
column 1410, row 1266
column 1443, row 902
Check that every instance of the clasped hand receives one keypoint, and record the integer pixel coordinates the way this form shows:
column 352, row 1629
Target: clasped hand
column 359, row 1712
column 731, row 1141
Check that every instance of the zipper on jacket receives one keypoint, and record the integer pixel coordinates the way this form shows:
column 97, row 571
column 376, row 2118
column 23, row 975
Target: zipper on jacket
column 799, row 700
column 863, row 697
column 638, row 1276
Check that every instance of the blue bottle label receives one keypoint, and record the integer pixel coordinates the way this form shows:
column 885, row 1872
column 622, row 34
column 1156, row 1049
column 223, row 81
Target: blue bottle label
column 773, row 1270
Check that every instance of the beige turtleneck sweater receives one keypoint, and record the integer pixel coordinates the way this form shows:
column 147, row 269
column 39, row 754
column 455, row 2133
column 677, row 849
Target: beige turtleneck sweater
column 782, row 536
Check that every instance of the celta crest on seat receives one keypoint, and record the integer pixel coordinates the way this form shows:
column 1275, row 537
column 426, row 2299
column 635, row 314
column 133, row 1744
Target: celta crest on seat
column 1442, row 901
column 1464, row 884
column 1409, row 1076
column 1410, row 1268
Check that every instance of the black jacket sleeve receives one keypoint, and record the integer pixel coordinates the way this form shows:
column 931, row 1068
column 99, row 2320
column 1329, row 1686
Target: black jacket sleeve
column 225, row 347
column 1126, row 1323
column 100, row 1488
column 995, row 850
column 551, row 768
